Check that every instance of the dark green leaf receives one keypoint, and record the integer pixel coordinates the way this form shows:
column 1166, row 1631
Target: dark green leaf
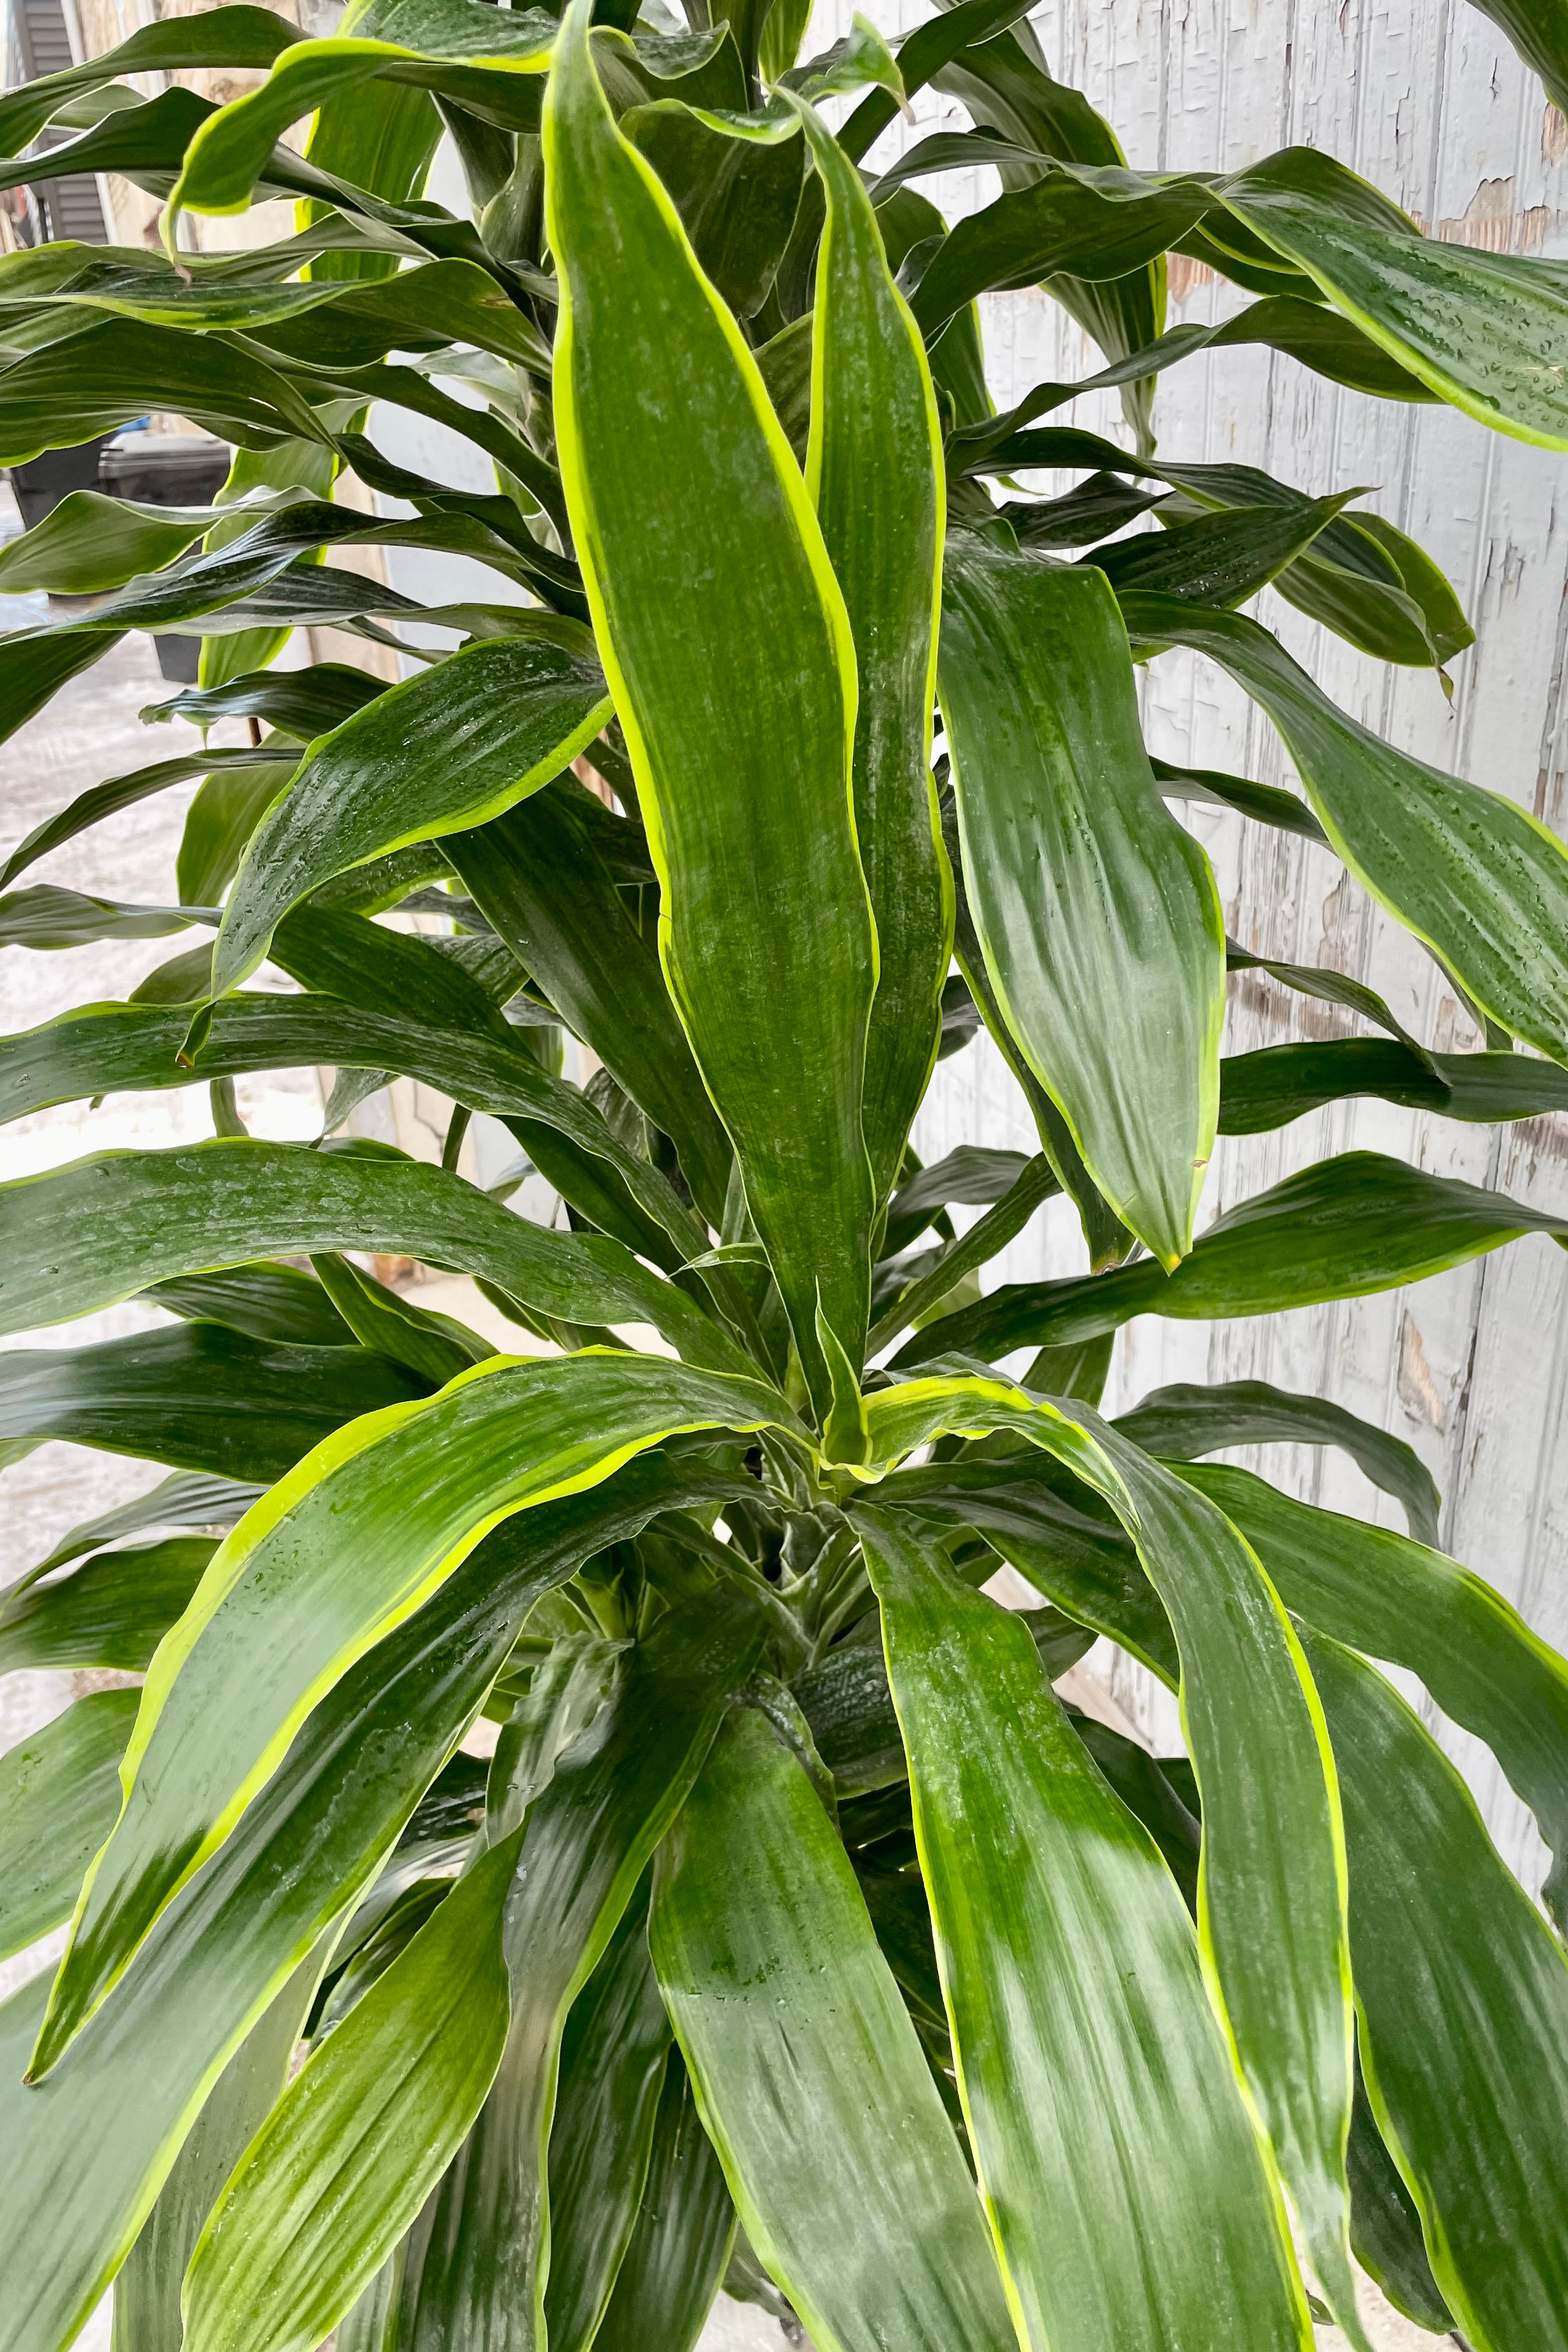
column 185, row 1500
column 303, row 702
column 1484, row 330
column 1183, row 1423
column 1477, row 877
column 838, row 2153
column 270, row 1302
column 736, row 197
column 588, row 1839
column 112, row 1612
column 1343, row 1229
column 1385, row 2228
column 681, row 2241
column 976, row 1248
column 874, row 419
column 45, row 915
column 138, row 1046
column 1279, row 1083
column 1462, row 1995
column 223, row 36
column 613, row 2065
column 1267, row 804
column 198, row 1395
column 540, row 876
column 482, row 729
column 1218, row 559
column 1396, row 1600
column 1540, row 34
column 135, row 1218
column 1081, row 895
column 60, row 1791
column 745, row 787
column 1102, row 2109
column 119, row 792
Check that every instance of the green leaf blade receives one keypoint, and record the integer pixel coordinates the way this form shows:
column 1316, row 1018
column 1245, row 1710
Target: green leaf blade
column 479, row 732
column 1098, row 914
column 1466, row 2077
column 734, row 676
column 345, row 2159
column 322, row 1612
column 1095, row 2082
column 874, row 421
column 836, row 2151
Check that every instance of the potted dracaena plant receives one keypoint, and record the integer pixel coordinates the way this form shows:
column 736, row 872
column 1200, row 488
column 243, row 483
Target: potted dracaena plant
column 796, row 1932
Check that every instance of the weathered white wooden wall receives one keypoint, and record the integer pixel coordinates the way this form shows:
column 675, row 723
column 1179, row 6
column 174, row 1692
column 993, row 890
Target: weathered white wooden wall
column 1424, row 98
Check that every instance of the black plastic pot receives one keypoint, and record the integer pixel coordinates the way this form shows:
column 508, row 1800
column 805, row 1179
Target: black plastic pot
column 43, row 482
column 167, row 470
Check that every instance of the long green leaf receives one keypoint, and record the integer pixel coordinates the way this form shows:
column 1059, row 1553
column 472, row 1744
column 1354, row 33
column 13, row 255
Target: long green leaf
column 588, row 1839
column 103, row 1050
column 135, row 1218
column 1182, row 1424
column 728, row 649
column 197, row 1395
column 1107, row 1238
column 1343, row 1229
column 1092, row 221
column 873, row 421
column 540, row 876
column 378, row 137
column 1037, row 1182
column 1279, row 1083
column 324, row 2192
column 612, row 2055
column 430, row 1481
column 835, row 2144
column 681, row 2244
column 736, row 196
column 1396, row 1600
column 301, row 702
column 269, row 1301
column 83, row 2156
column 448, row 748
column 1003, row 82
column 181, row 1501
column 91, row 383
column 1462, row 1996
column 112, row 1612
column 1218, row 559
column 223, row 36
column 444, row 45
column 91, row 807
column 1102, row 2106
column 1484, row 330
column 1478, row 877
column 147, row 2316
column 1098, row 914
column 90, row 542
column 59, row 1790
column 1386, row 2228
column 1272, row 1849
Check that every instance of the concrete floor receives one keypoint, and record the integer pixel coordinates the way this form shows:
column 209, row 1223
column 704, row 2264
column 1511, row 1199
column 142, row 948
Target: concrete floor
column 88, row 733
